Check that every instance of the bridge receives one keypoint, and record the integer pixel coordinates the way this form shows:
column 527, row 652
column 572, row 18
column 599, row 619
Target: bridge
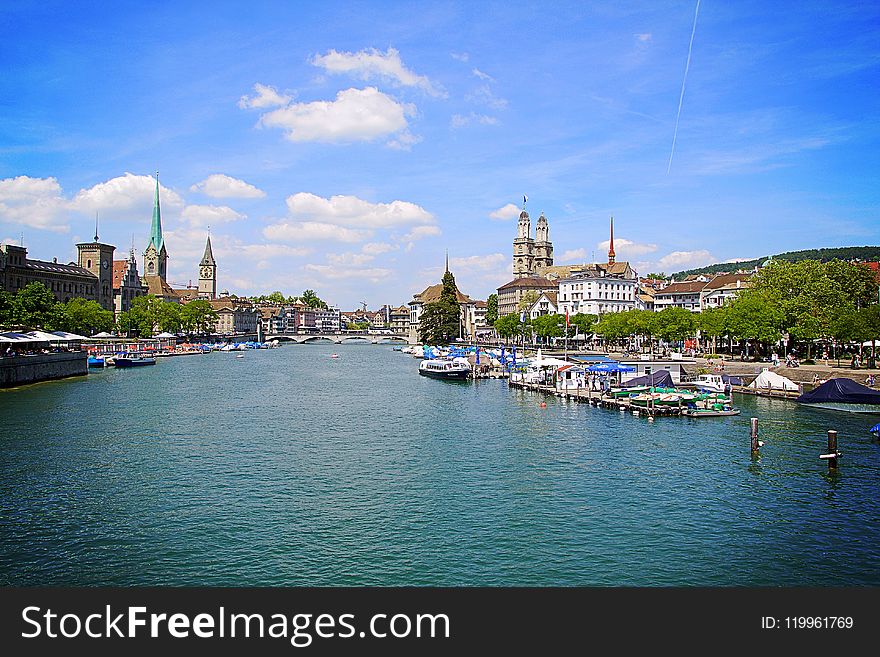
column 340, row 338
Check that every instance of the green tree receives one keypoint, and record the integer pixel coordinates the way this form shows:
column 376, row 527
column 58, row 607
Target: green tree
column 713, row 324
column 548, row 326
column 440, row 322
column 169, row 317
column 492, row 309
column 6, row 308
column 584, row 322
column 661, row 276
column 143, row 317
column 34, row 306
column 86, row 317
column 199, row 317
column 311, row 299
column 508, row 326
column 276, row 297
column 753, row 317
column 527, row 300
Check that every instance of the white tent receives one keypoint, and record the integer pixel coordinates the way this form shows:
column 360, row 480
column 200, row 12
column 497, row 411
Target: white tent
column 768, row 380
column 166, row 335
column 64, row 336
column 102, row 334
column 18, row 338
column 42, row 336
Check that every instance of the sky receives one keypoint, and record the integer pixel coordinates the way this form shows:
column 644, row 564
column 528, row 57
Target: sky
column 345, row 147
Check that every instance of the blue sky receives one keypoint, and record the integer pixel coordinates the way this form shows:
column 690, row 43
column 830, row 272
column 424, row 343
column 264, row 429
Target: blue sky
column 345, row 146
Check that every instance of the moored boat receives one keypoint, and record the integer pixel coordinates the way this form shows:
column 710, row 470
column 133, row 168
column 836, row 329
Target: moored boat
column 96, row 361
column 445, row 368
column 130, row 360
column 842, row 395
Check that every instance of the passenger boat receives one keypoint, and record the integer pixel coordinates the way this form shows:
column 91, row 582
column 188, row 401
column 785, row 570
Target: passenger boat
column 710, row 383
column 843, row 395
column 710, row 412
column 96, row 361
column 445, row 368
column 130, row 360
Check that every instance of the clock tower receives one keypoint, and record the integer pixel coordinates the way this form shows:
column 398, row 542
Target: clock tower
column 97, row 258
column 208, row 273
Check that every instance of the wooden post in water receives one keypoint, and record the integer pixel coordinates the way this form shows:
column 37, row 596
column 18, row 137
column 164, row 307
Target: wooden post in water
column 832, row 455
column 754, row 436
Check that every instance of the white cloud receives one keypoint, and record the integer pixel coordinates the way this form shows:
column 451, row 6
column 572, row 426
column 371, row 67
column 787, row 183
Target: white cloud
column 644, row 37
column 219, row 185
column 208, row 215
column 483, row 95
column 353, row 211
column 419, row 232
column 263, row 251
column 460, row 120
column 478, row 263
column 377, row 248
column 678, row 260
column 333, row 272
column 626, row 248
column 349, row 259
column 355, row 115
column 311, row 230
column 483, row 76
column 266, row 96
column 124, row 197
column 33, row 202
column 371, row 64
column 573, row 255
column 460, row 56
column 404, row 141
column 509, row 211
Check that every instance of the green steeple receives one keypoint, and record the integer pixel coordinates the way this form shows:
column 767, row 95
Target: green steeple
column 156, row 229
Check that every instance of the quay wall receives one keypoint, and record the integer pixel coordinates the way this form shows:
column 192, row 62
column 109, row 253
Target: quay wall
column 20, row 370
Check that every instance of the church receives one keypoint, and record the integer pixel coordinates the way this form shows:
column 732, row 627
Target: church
column 155, row 277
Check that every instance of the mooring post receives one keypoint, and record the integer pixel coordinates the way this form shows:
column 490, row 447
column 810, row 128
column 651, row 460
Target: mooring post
column 832, row 454
column 754, row 435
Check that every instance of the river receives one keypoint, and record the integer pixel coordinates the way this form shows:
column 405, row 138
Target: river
column 288, row 467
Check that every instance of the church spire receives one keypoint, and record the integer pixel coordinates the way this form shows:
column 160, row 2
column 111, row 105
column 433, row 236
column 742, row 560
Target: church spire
column 447, row 261
column 611, row 255
column 156, row 228
column 96, row 226
column 208, row 258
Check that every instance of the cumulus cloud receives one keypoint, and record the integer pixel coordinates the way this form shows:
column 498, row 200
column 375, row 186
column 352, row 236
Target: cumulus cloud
column 573, row 255
column 371, row 64
column 334, row 272
column 266, row 96
column 461, row 120
column 124, row 196
column 208, row 215
column 404, row 141
column 685, row 260
column 355, row 115
column 353, row 211
column 509, row 211
column 219, row 185
column 377, row 248
column 624, row 247
column 297, row 231
column 34, row 202
column 478, row 263
column 419, row 232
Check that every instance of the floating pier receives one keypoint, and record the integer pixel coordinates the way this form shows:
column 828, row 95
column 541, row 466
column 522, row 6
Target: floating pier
column 597, row 399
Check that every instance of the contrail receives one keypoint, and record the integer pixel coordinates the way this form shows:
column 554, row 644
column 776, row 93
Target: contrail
column 683, row 82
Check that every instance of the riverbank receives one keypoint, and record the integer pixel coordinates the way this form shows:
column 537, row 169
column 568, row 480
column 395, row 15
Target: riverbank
column 33, row 368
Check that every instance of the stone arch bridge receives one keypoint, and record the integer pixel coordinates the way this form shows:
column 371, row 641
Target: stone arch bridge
column 341, row 338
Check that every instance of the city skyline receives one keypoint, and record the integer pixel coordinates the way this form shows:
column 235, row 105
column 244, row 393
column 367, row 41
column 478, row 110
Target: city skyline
column 346, row 155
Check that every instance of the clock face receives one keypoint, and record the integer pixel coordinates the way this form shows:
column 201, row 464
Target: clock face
column 105, row 264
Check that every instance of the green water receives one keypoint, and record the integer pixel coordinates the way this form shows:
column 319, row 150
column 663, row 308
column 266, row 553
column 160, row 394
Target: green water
column 287, row 467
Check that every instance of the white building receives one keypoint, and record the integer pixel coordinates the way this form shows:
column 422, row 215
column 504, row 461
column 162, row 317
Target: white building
column 722, row 289
column 328, row 321
column 545, row 305
column 596, row 291
column 686, row 294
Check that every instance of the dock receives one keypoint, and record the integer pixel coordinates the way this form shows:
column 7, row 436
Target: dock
column 597, row 400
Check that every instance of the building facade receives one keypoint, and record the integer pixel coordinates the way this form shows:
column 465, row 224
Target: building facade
column 126, row 284
column 511, row 293
column 208, row 273
column 686, row 294
column 596, row 291
column 531, row 254
column 235, row 317
column 66, row 282
column 545, row 305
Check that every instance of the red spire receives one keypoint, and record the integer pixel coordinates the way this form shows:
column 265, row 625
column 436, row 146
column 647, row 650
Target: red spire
column 611, row 244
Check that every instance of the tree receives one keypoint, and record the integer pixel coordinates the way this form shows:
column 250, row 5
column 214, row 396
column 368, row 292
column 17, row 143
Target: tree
column 584, row 322
column 199, row 317
column 440, row 322
column 675, row 324
column 712, row 323
column 548, row 326
column 753, row 317
column 34, row 306
column 661, row 276
column 508, row 326
column 276, row 297
column 527, row 300
column 311, row 300
column 6, row 308
column 86, row 317
column 143, row 316
column 492, row 309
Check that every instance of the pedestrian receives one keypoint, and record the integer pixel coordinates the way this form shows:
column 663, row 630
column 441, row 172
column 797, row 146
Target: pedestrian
column 870, row 381
column 775, row 359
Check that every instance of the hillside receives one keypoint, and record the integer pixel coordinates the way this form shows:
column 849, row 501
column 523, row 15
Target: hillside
column 823, row 255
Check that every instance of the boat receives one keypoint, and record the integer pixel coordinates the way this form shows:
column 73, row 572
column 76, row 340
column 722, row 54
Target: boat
column 710, row 383
column 96, row 361
column 239, row 355
column 334, row 355
column 710, row 412
column 842, row 395
column 130, row 360
column 445, row 368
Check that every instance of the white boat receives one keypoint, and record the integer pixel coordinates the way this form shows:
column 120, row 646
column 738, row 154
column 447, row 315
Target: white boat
column 226, row 347
column 445, row 368
column 711, row 383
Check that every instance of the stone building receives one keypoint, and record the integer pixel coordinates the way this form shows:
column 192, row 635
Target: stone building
column 235, row 317
column 65, row 281
column 530, row 255
column 511, row 293
column 126, row 284
column 208, row 273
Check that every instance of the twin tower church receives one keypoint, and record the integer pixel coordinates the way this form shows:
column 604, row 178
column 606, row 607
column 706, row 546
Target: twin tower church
column 156, row 265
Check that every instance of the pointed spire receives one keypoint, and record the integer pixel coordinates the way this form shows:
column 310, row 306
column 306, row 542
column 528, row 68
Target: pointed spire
column 156, row 228
column 611, row 254
column 96, row 226
column 208, row 258
column 447, row 261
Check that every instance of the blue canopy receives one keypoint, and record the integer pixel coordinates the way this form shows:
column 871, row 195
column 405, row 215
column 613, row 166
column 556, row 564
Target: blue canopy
column 610, row 367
